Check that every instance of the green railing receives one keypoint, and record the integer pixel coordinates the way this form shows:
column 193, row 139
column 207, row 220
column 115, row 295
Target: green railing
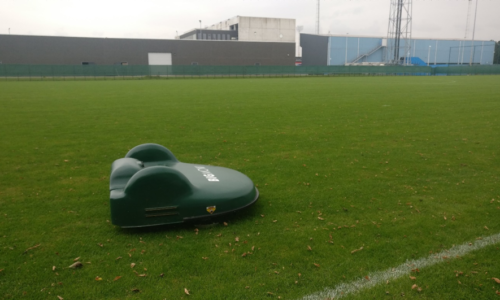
column 141, row 71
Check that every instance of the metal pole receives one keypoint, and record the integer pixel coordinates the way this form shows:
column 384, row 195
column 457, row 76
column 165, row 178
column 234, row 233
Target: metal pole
column 473, row 33
column 481, row 59
column 346, row 48
column 435, row 53
column 428, row 55
column 317, row 17
column 201, row 34
column 358, row 48
column 459, row 51
column 414, row 46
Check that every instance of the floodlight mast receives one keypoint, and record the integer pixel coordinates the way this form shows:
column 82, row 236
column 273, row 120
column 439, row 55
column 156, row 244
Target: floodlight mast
column 473, row 33
column 399, row 32
column 317, row 16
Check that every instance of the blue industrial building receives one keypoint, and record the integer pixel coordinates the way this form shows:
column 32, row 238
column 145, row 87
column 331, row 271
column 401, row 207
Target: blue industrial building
column 335, row 50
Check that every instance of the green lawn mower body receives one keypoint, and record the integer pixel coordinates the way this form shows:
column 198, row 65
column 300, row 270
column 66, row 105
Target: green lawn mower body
column 151, row 187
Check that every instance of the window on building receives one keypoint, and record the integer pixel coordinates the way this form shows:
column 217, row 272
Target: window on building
column 204, row 36
column 87, row 63
column 218, row 36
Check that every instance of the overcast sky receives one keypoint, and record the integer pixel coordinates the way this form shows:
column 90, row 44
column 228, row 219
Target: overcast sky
column 160, row 19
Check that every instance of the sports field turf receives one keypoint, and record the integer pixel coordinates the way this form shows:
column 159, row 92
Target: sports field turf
column 397, row 168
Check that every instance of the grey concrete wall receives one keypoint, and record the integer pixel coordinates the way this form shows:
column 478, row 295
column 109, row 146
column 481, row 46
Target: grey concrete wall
column 18, row 49
column 266, row 29
column 314, row 49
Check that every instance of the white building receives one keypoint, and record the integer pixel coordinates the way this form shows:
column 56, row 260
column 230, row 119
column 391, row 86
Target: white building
column 252, row 29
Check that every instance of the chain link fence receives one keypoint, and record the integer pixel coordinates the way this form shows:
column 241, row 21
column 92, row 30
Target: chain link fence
column 84, row 72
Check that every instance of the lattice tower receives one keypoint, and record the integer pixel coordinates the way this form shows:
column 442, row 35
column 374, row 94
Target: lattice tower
column 399, row 32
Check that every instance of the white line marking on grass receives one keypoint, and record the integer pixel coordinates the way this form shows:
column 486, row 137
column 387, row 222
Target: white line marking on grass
column 379, row 277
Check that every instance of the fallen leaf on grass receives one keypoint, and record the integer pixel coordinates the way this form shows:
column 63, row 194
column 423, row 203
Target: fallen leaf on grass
column 97, row 278
column 367, row 278
column 275, row 221
column 60, row 298
column 100, row 245
column 413, row 278
column 135, row 290
column 237, row 239
column 31, row 248
column 76, row 265
column 77, row 259
column 186, row 291
column 205, row 258
column 119, row 257
column 317, row 265
column 496, row 280
column 414, row 286
column 140, row 275
column 132, row 265
column 356, row 250
column 225, row 224
column 53, row 268
column 309, row 248
column 116, row 278
column 244, row 254
column 498, row 293
column 486, row 228
column 459, row 282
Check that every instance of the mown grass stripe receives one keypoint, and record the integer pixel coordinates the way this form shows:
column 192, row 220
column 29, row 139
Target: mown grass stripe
column 380, row 277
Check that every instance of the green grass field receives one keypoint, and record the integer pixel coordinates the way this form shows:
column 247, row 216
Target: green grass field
column 401, row 166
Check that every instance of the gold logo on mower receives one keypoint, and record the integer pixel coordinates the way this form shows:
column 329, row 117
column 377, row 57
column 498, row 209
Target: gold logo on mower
column 211, row 209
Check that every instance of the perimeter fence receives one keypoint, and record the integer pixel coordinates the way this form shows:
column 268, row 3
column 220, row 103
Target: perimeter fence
column 63, row 72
